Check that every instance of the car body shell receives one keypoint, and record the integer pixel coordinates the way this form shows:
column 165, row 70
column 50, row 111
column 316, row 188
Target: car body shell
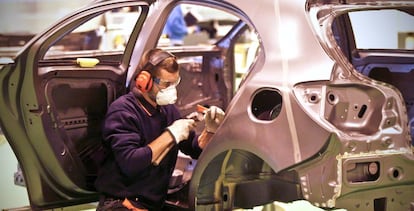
column 304, row 123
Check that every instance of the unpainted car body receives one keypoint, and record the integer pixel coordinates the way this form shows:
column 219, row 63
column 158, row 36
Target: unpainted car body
column 308, row 121
column 339, row 138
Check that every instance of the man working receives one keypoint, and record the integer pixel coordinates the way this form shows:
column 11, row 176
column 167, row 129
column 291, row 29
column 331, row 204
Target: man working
column 143, row 132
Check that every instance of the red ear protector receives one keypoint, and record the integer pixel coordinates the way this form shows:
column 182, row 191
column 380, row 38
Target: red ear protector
column 144, row 80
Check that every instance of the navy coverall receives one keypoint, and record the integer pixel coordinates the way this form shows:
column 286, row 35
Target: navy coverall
column 131, row 124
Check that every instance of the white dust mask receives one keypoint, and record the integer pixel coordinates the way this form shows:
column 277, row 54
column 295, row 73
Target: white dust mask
column 166, row 96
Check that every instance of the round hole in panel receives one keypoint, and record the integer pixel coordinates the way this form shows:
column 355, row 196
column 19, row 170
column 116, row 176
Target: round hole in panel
column 266, row 104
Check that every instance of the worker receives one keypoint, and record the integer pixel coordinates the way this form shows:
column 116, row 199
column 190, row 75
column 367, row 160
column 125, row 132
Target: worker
column 176, row 28
column 143, row 132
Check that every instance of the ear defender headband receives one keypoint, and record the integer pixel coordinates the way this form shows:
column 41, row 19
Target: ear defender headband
column 144, row 80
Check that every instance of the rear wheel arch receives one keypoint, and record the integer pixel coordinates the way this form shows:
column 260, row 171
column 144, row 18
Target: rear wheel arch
column 239, row 178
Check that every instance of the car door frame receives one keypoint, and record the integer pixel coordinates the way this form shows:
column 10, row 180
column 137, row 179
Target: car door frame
column 50, row 180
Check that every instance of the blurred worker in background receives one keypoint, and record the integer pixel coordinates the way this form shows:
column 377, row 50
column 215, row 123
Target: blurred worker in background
column 176, row 27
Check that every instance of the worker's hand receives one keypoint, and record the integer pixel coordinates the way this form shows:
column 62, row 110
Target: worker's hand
column 213, row 117
column 196, row 116
column 180, row 129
